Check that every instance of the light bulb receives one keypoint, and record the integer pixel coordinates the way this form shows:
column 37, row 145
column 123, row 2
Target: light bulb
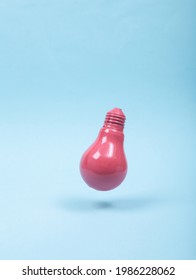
column 103, row 166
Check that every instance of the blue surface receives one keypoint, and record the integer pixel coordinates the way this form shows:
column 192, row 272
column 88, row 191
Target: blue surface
column 63, row 65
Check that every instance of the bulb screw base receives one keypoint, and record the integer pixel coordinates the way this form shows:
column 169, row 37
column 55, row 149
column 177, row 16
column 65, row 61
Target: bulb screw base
column 115, row 119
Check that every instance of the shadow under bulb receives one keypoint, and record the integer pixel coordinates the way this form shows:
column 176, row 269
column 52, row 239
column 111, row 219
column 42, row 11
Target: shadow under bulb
column 103, row 166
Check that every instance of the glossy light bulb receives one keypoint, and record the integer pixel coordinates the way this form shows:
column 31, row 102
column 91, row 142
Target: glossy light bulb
column 103, row 166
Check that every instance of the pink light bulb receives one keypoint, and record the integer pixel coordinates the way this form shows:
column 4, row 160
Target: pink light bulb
column 103, row 166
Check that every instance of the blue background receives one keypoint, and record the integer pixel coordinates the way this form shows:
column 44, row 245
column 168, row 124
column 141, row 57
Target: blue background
column 63, row 65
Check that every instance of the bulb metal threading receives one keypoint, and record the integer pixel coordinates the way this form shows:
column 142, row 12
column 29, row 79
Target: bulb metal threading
column 115, row 119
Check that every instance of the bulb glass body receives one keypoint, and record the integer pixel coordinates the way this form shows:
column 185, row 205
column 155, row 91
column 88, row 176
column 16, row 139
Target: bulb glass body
column 103, row 166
